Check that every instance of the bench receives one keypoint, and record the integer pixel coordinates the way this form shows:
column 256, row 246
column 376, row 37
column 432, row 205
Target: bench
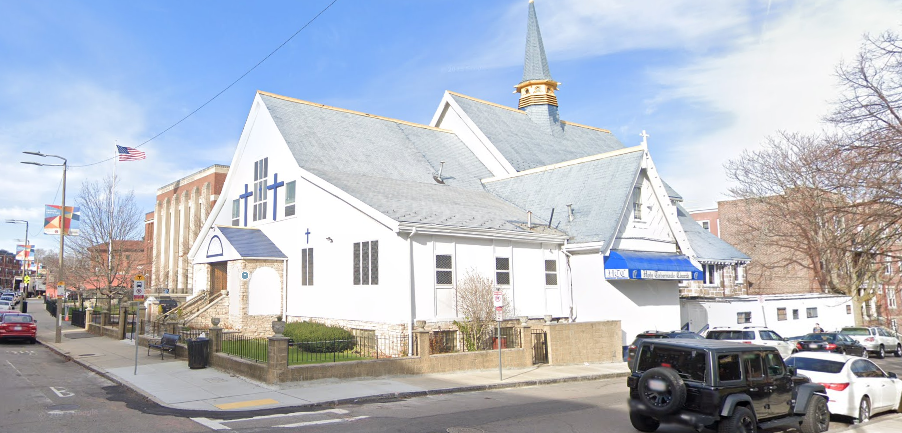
column 164, row 344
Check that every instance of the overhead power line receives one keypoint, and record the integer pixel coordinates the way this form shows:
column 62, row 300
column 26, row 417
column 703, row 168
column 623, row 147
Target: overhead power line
column 223, row 90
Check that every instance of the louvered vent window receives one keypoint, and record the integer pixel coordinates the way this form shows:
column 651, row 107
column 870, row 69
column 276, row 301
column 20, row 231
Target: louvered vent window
column 307, row 267
column 366, row 263
column 502, row 271
column 551, row 272
column 444, row 271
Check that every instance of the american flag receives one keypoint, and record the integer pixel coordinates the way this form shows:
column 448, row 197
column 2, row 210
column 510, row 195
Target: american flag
column 130, row 153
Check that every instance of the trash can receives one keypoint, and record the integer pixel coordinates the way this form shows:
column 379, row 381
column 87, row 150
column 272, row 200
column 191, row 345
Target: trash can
column 198, row 352
column 25, row 305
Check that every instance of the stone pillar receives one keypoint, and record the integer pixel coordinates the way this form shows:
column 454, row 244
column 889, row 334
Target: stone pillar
column 104, row 318
column 216, row 339
column 277, row 359
column 142, row 312
column 89, row 313
column 526, row 344
column 422, row 343
column 123, row 321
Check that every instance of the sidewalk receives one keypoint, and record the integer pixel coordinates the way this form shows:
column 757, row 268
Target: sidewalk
column 172, row 384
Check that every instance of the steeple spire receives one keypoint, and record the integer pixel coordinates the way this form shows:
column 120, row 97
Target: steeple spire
column 537, row 89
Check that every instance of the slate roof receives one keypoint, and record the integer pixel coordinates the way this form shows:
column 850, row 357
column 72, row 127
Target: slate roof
column 253, row 243
column 527, row 145
column 598, row 190
column 707, row 247
column 536, row 65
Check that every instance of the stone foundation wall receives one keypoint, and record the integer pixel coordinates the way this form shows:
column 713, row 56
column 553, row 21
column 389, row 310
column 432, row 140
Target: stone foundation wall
column 576, row 343
column 218, row 309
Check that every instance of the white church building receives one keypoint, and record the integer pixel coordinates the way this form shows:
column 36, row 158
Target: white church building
column 344, row 217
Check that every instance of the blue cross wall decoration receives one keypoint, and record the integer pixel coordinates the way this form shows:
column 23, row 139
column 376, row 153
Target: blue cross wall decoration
column 245, row 196
column 275, row 190
column 308, row 235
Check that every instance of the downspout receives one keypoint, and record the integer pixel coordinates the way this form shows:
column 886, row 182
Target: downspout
column 411, row 289
column 570, row 283
column 285, row 290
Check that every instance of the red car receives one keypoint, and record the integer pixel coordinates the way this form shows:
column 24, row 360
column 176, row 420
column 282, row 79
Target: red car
column 18, row 325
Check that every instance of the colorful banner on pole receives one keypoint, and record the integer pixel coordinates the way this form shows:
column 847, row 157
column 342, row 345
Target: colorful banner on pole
column 25, row 252
column 52, row 220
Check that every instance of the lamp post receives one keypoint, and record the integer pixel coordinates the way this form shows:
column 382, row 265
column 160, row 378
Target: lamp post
column 24, row 261
column 59, row 332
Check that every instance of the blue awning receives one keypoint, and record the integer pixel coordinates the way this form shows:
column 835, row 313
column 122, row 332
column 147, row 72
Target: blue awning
column 645, row 265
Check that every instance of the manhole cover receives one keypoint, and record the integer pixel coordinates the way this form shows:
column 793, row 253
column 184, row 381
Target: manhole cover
column 62, row 407
column 464, row 430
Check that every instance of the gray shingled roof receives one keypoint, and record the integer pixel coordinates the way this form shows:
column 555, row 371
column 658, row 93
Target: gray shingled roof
column 252, row 243
column 536, row 65
column 598, row 191
column 525, row 144
column 707, row 247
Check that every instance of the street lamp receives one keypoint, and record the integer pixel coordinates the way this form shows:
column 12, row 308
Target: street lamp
column 25, row 258
column 59, row 332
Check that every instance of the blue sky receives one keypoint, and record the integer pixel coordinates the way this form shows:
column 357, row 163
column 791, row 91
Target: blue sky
column 705, row 79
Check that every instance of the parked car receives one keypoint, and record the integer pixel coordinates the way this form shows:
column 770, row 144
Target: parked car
column 831, row 342
column 6, row 306
column 631, row 351
column 9, row 297
column 753, row 335
column 875, row 339
column 856, row 387
column 721, row 385
column 18, row 326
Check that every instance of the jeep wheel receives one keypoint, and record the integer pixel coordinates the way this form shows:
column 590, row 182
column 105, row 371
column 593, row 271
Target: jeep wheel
column 644, row 423
column 662, row 390
column 864, row 411
column 817, row 416
column 881, row 353
column 898, row 352
column 742, row 421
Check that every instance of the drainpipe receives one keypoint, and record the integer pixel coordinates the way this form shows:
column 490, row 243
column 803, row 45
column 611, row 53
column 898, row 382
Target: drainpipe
column 570, row 283
column 411, row 287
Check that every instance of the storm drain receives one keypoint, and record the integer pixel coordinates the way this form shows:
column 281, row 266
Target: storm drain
column 63, row 407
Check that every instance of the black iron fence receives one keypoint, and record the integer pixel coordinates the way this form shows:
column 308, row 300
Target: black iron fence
column 50, row 305
column 77, row 318
column 256, row 349
column 469, row 341
column 356, row 348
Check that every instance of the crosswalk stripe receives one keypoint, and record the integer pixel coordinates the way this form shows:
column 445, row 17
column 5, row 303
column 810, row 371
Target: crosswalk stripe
column 325, row 421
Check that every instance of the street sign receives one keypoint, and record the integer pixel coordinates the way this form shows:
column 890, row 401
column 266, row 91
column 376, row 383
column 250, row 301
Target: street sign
column 498, row 298
column 138, row 288
column 245, row 275
column 27, row 279
column 499, row 314
column 60, row 289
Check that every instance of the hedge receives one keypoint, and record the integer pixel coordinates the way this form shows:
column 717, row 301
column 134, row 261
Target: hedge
column 319, row 338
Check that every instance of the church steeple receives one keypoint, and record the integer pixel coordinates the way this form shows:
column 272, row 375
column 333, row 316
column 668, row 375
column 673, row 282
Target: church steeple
column 537, row 88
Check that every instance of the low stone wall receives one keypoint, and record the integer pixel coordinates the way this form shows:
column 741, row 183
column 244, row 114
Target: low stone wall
column 576, row 343
column 352, row 369
column 241, row 367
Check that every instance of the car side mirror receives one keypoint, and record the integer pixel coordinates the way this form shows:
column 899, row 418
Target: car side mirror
column 791, row 370
column 892, row 375
column 785, row 339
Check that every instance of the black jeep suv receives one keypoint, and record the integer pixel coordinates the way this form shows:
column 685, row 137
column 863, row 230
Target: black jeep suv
column 722, row 385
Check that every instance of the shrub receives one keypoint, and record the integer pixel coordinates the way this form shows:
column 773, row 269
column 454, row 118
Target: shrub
column 319, row 338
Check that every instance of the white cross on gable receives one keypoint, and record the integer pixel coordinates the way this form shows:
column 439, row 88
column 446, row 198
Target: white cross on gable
column 644, row 138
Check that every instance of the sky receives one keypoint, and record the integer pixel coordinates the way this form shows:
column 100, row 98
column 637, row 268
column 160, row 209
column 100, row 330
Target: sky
column 706, row 80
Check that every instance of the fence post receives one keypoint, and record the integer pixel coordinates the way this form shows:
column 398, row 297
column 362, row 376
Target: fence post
column 216, row 339
column 141, row 322
column 89, row 313
column 423, row 348
column 123, row 321
column 277, row 359
column 104, row 318
column 526, row 344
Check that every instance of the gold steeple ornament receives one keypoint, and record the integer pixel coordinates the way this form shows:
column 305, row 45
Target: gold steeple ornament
column 537, row 86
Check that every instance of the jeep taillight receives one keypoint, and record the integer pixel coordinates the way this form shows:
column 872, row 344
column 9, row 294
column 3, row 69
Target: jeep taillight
column 799, row 346
column 836, row 386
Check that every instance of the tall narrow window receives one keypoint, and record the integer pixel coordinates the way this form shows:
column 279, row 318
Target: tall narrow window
column 444, row 270
column 795, row 314
column 236, row 212
column 289, row 198
column 637, row 203
column 261, row 174
column 888, row 269
column 502, row 271
column 551, row 272
column 891, row 297
column 781, row 314
column 307, row 267
column 366, row 263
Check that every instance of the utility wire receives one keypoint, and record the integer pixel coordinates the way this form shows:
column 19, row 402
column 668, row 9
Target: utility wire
column 223, row 90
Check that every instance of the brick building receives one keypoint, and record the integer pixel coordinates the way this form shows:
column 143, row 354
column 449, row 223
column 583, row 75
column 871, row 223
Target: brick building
column 9, row 269
column 181, row 208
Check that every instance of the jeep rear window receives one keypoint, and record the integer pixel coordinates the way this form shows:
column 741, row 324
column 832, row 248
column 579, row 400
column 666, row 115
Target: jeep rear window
column 689, row 363
column 731, row 335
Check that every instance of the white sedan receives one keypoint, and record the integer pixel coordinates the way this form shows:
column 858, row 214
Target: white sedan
column 856, row 387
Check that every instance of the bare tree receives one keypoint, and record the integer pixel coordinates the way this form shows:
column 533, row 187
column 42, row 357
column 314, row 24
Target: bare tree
column 476, row 307
column 109, row 243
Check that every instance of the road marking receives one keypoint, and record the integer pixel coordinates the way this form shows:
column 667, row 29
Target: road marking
column 61, row 392
column 216, row 424
column 241, row 404
column 325, row 421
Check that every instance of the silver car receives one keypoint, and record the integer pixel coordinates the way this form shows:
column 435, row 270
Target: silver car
column 875, row 339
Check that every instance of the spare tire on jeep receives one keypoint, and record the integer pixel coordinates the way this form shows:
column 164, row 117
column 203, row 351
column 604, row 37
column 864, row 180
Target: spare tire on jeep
column 662, row 390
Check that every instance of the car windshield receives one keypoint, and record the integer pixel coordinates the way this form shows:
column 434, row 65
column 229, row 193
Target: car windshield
column 812, row 364
column 9, row 318
column 855, row 331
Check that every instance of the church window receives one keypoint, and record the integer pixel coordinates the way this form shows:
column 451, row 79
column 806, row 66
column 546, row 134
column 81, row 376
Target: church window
column 366, row 263
column 236, row 212
column 261, row 173
column 637, row 203
column 289, row 198
column 711, row 275
column 307, row 266
column 502, row 271
column 444, row 270
column 551, row 272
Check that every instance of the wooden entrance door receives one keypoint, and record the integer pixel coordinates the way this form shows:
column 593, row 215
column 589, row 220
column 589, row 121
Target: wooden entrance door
column 218, row 281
